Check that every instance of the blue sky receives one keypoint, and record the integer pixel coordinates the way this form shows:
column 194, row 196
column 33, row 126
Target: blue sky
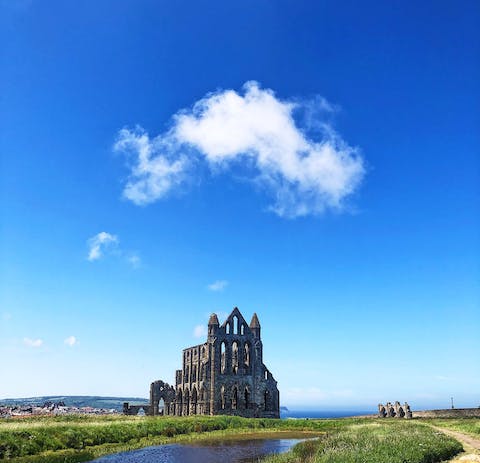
column 314, row 162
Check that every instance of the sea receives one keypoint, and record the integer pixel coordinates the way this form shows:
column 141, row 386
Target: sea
column 299, row 414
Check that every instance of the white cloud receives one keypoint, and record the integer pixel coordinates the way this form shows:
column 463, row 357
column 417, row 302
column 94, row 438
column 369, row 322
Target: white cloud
column 153, row 172
column 218, row 285
column 305, row 169
column 98, row 243
column 134, row 260
column 33, row 342
column 71, row 341
column 200, row 331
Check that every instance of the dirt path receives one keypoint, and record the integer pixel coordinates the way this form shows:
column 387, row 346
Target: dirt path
column 471, row 445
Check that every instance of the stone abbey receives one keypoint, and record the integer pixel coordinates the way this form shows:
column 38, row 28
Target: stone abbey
column 223, row 376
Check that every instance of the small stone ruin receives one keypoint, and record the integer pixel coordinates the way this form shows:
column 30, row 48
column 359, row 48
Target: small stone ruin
column 394, row 411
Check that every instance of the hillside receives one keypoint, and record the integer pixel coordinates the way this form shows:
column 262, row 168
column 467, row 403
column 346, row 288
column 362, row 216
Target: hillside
column 76, row 401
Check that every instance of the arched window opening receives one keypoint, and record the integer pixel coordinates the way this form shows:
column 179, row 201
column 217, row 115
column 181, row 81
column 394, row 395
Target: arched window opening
column 266, row 374
column 223, row 357
column 235, row 324
column 194, row 373
column 246, row 356
column 194, row 401
column 186, row 403
column 234, row 398
column 227, row 328
column 242, row 329
column 179, row 402
column 235, row 358
column 161, row 407
column 247, row 398
column 222, row 397
column 266, row 398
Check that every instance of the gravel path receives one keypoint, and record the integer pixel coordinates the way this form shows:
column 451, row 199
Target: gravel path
column 471, row 445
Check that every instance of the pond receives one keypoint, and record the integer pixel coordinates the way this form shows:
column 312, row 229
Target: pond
column 218, row 451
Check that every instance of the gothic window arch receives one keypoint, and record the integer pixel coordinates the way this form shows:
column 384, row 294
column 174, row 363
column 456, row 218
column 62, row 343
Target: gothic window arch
column 234, row 398
column 179, row 402
column 235, row 355
column 223, row 357
column 186, row 402
column 222, row 397
column 194, row 400
column 246, row 356
column 266, row 400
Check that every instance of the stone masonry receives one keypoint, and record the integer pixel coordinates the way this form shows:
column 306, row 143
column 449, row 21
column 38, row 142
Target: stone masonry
column 223, row 376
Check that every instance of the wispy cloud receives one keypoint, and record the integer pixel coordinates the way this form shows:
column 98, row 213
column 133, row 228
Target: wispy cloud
column 305, row 168
column 218, row 285
column 200, row 331
column 33, row 342
column 71, row 341
column 99, row 243
column 134, row 260
column 104, row 243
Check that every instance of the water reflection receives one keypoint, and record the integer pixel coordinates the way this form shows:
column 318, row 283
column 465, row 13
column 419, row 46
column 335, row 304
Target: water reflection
column 228, row 451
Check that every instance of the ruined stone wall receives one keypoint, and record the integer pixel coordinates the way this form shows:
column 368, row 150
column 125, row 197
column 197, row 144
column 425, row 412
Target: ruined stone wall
column 448, row 413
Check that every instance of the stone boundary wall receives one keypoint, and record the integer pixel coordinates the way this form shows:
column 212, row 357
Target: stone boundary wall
column 448, row 413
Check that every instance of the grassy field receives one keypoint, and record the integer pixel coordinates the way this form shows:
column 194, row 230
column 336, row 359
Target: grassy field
column 74, row 439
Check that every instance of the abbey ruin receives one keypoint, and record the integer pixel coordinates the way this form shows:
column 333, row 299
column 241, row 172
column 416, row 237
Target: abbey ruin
column 223, row 376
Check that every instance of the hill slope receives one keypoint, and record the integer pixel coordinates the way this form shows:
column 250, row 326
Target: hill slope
column 76, row 401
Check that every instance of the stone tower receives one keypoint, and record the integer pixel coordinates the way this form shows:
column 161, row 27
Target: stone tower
column 224, row 376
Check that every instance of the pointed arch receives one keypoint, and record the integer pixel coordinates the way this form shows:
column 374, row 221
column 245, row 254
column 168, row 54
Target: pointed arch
column 194, row 401
column 266, row 400
column 234, row 398
column 246, row 397
column 179, row 402
column 186, row 402
column 235, row 357
column 223, row 357
column 247, row 353
column 222, row 397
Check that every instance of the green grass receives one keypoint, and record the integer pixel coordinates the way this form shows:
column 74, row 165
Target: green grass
column 83, row 435
column 73, row 439
column 386, row 442
column 466, row 425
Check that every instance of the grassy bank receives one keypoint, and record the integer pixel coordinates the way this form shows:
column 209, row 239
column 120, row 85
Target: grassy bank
column 75, row 439
column 469, row 426
column 82, row 438
column 388, row 441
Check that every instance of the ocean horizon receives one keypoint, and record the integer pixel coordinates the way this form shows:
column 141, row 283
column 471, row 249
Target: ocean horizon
column 299, row 414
